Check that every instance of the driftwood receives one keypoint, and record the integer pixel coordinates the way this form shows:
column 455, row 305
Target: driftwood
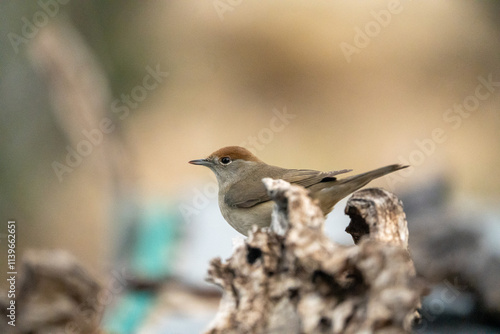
column 291, row 278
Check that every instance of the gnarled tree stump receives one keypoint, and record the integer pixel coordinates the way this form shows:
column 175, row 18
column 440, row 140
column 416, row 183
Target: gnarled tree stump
column 291, row 278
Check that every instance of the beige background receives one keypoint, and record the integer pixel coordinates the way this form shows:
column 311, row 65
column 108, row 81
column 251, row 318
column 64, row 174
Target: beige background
column 225, row 78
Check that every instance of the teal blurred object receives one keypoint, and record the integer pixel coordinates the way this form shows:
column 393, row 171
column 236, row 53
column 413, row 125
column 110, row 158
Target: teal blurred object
column 150, row 244
column 157, row 234
column 129, row 312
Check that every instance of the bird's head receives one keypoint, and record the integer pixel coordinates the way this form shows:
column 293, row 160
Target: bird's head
column 230, row 163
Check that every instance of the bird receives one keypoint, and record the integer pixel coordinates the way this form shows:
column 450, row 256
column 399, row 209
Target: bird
column 243, row 198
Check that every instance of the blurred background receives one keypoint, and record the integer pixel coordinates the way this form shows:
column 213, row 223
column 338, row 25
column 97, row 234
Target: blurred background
column 103, row 103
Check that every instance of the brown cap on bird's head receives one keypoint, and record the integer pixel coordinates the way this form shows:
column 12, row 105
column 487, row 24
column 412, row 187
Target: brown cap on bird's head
column 235, row 152
column 232, row 152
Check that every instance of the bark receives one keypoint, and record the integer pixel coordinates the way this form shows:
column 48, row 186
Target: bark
column 291, row 278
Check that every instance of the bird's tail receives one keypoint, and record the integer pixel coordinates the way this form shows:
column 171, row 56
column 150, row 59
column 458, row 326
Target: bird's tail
column 343, row 187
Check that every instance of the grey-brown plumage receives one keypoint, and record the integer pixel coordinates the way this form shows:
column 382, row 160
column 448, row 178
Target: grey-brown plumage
column 243, row 199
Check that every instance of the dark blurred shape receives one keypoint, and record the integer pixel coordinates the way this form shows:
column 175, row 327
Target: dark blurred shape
column 55, row 294
column 450, row 247
column 431, row 195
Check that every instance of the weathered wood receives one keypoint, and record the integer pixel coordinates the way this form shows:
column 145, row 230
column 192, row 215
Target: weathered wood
column 291, row 278
column 377, row 214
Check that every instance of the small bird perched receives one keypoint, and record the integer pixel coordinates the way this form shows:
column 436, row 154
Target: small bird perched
column 243, row 199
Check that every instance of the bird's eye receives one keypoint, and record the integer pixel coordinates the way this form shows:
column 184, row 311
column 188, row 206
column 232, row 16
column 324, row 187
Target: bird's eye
column 225, row 160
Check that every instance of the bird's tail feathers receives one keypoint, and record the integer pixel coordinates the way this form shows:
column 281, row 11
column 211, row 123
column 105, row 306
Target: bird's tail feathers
column 343, row 187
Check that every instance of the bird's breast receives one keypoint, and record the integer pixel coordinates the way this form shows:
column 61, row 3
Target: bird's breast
column 242, row 219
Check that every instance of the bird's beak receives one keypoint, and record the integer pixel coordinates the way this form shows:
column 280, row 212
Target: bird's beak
column 203, row 162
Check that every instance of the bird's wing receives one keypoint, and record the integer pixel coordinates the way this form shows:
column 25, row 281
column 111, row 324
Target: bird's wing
column 240, row 195
column 308, row 177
